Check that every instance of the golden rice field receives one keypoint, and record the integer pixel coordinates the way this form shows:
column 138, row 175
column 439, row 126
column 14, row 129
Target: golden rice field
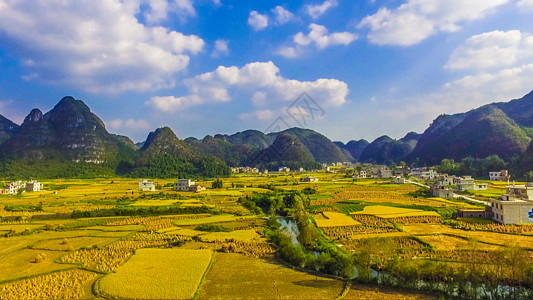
column 247, row 235
column 388, row 212
column 70, row 284
column 29, row 262
column 263, row 279
column 158, row 274
column 482, row 236
column 453, row 243
column 104, row 260
column 333, row 219
column 69, row 244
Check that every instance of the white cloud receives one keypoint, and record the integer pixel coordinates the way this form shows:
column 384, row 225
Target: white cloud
column 415, row 20
column 290, row 52
column 281, row 15
column 259, row 81
column 315, row 11
column 319, row 36
column 526, row 5
column 257, row 20
column 130, row 124
column 265, row 114
column 221, row 48
column 158, row 10
column 171, row 104
column 502, row 85
column 98, row 46
column 491, row 50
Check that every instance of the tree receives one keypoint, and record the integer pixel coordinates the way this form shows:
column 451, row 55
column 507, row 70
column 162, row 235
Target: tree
column 217, row 184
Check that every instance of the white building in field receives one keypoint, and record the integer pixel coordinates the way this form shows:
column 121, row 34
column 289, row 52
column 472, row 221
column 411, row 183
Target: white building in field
column 183, row 185
column 502, row 175
column 309, row 179
column 146, row 186
column 398, row 180
column 13, row 187
column 515, row 207
column 33, row 186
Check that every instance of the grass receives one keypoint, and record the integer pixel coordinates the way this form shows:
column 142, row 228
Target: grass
column 263, row 279
column 333, row 219
column 158, row 274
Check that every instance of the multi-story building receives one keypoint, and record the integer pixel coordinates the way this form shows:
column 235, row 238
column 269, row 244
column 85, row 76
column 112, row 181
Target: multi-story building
column 467, row 183
column 183, row 185
column 502, row 175
column 440, row 191
column 444, row 179
column 146, row 186
column 423, row 173
column 33, row 186
column 514, row 207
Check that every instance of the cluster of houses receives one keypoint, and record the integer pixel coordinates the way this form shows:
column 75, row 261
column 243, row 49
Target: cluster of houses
column 181, row 185
column 514, row 207
column 14, row 187
column 238, row 170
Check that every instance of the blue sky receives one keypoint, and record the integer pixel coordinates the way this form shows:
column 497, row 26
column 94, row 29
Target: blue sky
column 220, row 66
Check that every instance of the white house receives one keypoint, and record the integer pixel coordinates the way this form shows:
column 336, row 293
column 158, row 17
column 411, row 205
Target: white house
column 514, row 207
column 183, row 185
column 33, row 186
column 13, row 187
column 502, row 175
column 310, row 179
column 146, row 186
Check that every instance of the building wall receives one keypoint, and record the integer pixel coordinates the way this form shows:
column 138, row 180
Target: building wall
column 513, row 212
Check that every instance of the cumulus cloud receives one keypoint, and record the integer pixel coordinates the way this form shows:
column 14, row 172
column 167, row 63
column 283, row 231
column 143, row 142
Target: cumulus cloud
column 259, row 81
column 289, row 52
column 415, row 20
column 493, row 49
column 172, row 104
column 96, row 45
column 159, row 10
column 319, row 36
column 526, row 5
column 281, row 15
column 131, row 124
column 257, row 21
column 221, row 48
column 315, row 11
